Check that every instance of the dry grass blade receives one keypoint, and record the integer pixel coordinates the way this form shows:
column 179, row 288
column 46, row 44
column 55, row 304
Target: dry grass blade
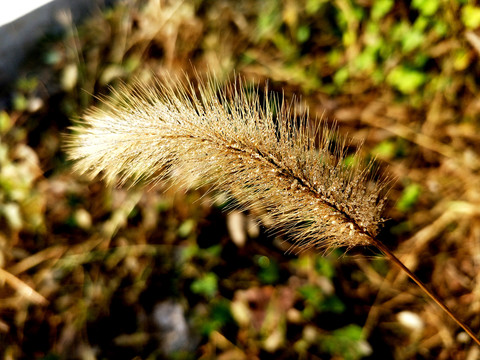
column 22, row 288
column 230, row 140
column 422, row 286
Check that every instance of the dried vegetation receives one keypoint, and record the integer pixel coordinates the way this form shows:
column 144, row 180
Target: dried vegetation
column 89, row 271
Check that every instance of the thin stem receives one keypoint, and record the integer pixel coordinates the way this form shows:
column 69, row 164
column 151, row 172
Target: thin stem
column 434, row 297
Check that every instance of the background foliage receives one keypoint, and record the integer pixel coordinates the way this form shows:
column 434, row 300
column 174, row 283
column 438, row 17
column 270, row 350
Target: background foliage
column 89, row 271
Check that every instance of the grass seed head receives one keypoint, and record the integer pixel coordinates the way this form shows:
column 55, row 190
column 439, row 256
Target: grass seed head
column 229, row 139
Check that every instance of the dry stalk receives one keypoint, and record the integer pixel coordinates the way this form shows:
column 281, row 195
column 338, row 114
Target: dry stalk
column 229, row 140
column 23, row 289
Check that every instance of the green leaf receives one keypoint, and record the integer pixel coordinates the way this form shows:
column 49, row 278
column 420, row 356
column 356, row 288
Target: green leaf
column 220, row 312
column 426, row 7
column 324, row 267
column 471, row 16
column 312, row 6
column 186, row 228
column 303, row 33
column 312, row 294
column 269, row 272
column 367, row 60
column 412, row 40
column 350, row 332
column 406, row 80
column 409, row 197
column 341, row 76
column 20, row 102
column 380, row 8
column 5, row 122
column 333, row 304
column 316, row 301
column 218, row 315
column 385, row 150
column 461, row 60
column 346, row 342
column 207, row 285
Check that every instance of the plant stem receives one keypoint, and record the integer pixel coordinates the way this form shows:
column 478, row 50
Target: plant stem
column 434, row 297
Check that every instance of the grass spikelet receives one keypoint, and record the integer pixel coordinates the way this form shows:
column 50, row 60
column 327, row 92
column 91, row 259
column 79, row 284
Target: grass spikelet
column 255, row 152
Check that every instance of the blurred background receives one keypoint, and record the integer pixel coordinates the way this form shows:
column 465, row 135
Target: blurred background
column 89, row 271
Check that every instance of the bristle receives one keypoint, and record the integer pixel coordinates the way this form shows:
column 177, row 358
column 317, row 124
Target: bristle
column 258, row 155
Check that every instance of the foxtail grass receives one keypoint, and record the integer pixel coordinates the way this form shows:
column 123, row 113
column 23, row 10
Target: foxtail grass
column 250, row 145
